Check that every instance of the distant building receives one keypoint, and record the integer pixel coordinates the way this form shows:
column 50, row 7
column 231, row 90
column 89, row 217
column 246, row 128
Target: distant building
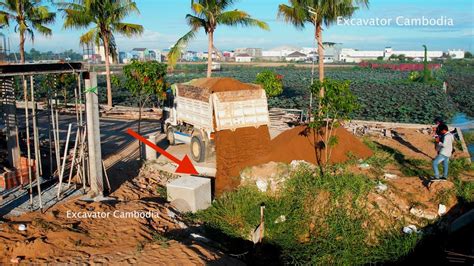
column 456, row 54
column 243, row 58
column 142, row 55
column 356, row 56
column 253, row 52
column 279, row 53
column 296, row 57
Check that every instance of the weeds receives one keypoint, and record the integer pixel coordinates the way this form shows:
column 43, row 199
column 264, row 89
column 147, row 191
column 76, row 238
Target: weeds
column 464, row 190
column 160, row 239
column 312, row 233
column 161, row 190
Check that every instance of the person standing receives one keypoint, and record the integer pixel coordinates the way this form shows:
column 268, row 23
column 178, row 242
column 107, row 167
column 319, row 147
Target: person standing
column 444, row 146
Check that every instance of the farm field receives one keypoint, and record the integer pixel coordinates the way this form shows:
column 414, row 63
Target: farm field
column 383, row 95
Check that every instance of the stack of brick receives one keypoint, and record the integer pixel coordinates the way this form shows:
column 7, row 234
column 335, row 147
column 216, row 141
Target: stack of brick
column 13, row 178
column 22, row 173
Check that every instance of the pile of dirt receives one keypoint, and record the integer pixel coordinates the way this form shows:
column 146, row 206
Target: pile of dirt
column 236, row 150
column 223, row 84
column 245, row 147
column 299, row 144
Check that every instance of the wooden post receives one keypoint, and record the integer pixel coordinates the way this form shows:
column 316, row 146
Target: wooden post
column 36, row 146
column 64, row 160
column 28, row 148
column 73, row 161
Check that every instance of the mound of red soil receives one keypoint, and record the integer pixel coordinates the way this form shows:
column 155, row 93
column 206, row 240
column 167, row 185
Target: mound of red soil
column 299, row 144
column 236, row 150
column 223, row 84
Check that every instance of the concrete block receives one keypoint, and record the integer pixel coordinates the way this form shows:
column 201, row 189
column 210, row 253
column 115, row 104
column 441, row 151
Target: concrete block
column 150, row 153
column 189, row 193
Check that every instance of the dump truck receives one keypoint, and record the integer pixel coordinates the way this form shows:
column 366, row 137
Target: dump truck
column 200, row 108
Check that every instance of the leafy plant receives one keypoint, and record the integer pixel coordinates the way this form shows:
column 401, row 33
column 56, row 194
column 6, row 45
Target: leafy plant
column 335, row 106
column 272, row 82
column 145, row 79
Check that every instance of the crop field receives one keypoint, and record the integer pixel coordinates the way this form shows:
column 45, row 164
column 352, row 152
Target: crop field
column 384, row 95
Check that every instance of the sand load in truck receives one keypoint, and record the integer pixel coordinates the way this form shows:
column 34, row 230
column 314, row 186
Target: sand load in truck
column 202, row 107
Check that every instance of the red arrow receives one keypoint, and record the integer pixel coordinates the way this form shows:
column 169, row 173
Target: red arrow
column 185, row 166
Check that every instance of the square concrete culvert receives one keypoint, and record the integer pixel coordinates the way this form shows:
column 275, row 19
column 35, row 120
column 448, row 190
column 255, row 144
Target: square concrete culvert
column 189, row 193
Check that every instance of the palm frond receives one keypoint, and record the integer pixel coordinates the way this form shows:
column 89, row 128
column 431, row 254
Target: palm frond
column 175, row 51
column 89, row 37
column 128, row 29
column 42, row 29
column 195, row 22
column 295, row 15
column 238, row 17
column 4, row 19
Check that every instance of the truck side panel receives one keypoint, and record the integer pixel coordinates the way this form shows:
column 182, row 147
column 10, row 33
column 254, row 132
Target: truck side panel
column 194, row 112
column 240, row 110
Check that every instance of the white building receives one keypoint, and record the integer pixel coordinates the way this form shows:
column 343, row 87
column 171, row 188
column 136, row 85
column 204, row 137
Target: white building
column 355, row 56
column 279, row 53
column 456, row 54
column 296, row 57
column 243, row 58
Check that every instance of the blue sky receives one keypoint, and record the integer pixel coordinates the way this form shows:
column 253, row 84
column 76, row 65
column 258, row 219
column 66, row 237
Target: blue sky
column 164, row 24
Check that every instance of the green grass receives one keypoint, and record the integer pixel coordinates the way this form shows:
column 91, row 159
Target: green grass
column 326, row 221
column 464, row 190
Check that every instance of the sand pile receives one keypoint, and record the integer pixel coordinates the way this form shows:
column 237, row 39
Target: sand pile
column 252, row 146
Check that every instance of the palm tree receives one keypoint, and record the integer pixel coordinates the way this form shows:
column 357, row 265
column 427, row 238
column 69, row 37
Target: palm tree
column 207, row 15
column 29, row 16
column 318, row 12
column 106, row 16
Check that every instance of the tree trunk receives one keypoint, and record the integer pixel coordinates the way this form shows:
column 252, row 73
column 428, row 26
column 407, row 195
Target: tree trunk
column 107, row 72
column 319, row 38
column 22, row 47
column 209, row 53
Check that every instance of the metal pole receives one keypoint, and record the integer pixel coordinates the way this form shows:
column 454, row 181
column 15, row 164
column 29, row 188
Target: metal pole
column 93, row 135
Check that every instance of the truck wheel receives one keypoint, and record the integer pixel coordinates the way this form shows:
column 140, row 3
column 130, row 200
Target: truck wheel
column 170, row 136
column 198, row 149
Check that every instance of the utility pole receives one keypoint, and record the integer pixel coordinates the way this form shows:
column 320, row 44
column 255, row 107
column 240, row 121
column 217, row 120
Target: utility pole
column 93, row 134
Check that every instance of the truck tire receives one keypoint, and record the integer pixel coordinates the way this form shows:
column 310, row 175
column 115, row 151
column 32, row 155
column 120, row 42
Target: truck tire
column 170, row 135
column 198, row 149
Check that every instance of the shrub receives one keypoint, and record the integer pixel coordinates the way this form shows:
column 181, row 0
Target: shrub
column 272, row 83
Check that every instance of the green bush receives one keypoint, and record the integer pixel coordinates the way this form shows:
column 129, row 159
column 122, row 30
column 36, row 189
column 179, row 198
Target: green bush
column 272, row 82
